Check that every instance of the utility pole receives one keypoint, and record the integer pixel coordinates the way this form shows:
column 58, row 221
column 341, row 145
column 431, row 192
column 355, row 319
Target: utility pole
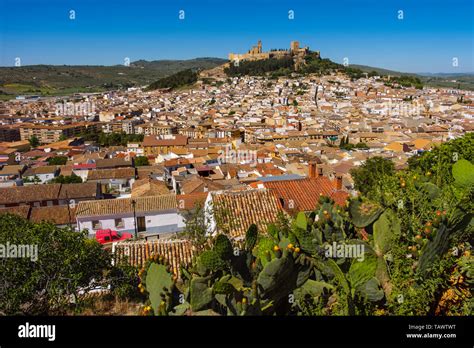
column 134, row 218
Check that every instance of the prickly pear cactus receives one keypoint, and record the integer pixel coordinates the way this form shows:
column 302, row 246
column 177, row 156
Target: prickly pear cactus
column 209, row 261
column 264, row 250
column 200, row 293
column 223, row 247
column 301, row 221
column 386, row 228
column 434, row 249
column 463, row 173
column 278, row 278
column 364, row 213
column 251, row 237
column 158, row 282
column 223, row 288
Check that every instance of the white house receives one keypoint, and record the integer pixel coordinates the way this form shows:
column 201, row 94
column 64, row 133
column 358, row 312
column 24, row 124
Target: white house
column 41, row 174
column 156, row 215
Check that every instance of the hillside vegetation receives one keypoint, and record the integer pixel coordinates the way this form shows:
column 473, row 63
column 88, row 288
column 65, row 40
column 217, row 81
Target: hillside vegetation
column 62, row 80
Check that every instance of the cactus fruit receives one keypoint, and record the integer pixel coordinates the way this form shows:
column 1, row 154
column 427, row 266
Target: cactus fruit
column 223, row 247
column 364, row 213
column 157, row 281
column 251, row 237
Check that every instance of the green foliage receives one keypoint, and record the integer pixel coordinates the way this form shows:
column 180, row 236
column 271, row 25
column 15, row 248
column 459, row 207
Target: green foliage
column 386, row 228
column 210, row 261
column 34, row 141
column 372, row 173
column 141, row 161
column 71, row 179
column 57, row 160
column 158, row 281
column 261, row 67
column 463, row 173
column 405, row 81
column 223, row 247
column 251, row 237
column 364, row 213
column 179, row 79
column 40, row 284
column 196, row 227
column 110, row 139
column 440, row 160
column 124, row 281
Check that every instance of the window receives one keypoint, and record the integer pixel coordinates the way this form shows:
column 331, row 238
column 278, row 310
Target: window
column 119, row 223
column 96, row 225
column 107, row 238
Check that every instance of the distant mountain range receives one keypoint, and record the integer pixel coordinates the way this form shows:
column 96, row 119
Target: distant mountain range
column 67, row 79
column 445, row 80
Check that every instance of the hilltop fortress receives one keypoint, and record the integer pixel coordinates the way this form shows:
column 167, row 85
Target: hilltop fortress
column 256, row 53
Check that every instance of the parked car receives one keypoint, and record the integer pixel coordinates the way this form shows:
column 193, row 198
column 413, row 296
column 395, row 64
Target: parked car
column 108, row 236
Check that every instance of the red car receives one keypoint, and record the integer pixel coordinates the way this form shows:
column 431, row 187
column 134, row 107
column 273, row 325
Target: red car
column 108, row 236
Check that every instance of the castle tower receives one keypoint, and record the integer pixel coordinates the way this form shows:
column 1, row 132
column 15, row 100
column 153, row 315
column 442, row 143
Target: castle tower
column 259, row 46
column 294, row 46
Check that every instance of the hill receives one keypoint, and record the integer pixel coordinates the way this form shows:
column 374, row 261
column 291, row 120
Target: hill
column 442, row 80
column 67, row 79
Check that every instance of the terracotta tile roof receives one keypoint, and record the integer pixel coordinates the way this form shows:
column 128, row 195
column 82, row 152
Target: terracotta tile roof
column 116, row 173
column 197, row 184
column 112, row 163
column 22, row 210
column 149, row 187
column 179, row 140
column 40, row 170
column 176, row 252
column 303, row 195
column 28, row 194
column 189, row 201
column 38, row 193
column 124, row 205
column 236, row 211
column 58, row 215
column 84, row 190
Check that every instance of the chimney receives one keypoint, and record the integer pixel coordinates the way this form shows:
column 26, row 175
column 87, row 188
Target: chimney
column 312, row 169
column 339, row 182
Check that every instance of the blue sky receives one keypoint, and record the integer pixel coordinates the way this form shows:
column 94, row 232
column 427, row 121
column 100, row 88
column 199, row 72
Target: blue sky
column 430, row 35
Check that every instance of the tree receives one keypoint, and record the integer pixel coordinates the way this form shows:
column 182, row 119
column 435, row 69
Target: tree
column 196, row 227
column 71, row 179
column 141, row 161
column 64, row 262
column 34, row 141
column 57, row 160
column 370, row 175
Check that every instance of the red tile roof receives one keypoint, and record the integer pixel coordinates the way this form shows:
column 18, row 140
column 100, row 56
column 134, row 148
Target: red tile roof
column 303, row 195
